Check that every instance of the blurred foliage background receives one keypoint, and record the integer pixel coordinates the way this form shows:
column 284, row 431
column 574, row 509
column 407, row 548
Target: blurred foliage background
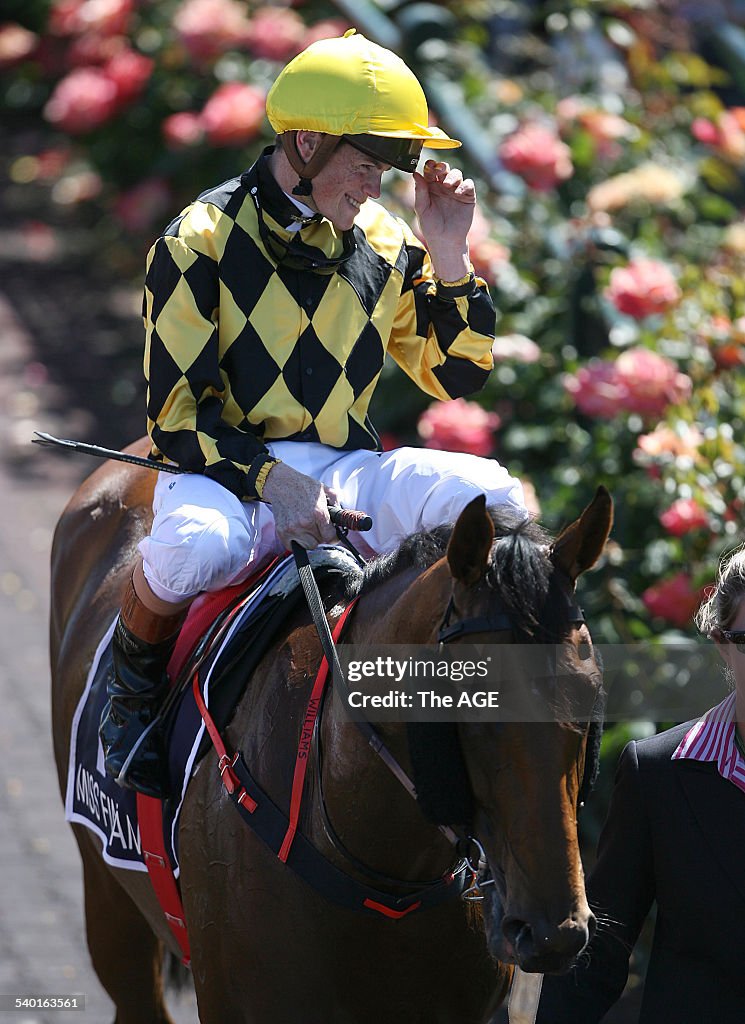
column 608, row 145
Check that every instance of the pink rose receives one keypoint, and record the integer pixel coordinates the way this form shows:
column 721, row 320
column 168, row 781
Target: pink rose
column 652, row 382
column 16, row 44
column 207, row 28
column 82, row 101
column 130, row 72
column 597, row 389
column 93, row 49
column 182, row 130
column 638, row 381
column 104, row 17
column 233, row 115
column 140, row 207
column 64, row 17
column 643, row 288
column 538, row 156
column 684, row 515
column 726, row 135
column 674, row 599
column 459, row 426
column 276, row 33
column 515, row 348
column 704, row 130
column 329, row 28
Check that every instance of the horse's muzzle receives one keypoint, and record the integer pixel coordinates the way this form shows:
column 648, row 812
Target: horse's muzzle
column 536, row 946
column 544, row 948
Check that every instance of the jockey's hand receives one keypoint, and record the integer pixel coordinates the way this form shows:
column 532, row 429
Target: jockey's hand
column 445, row 203
column 299, row 506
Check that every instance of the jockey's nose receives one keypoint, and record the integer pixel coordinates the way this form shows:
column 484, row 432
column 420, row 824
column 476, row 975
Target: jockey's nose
column 372, row 184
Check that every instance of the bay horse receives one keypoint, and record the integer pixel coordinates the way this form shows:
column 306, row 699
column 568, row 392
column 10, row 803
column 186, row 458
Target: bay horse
column 267, row 948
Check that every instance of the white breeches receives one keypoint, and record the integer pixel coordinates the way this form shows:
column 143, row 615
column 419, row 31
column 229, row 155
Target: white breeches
column 204, row 538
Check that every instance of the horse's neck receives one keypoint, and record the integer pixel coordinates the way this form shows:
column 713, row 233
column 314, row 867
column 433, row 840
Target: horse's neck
column 408, row 608
column 391, row 835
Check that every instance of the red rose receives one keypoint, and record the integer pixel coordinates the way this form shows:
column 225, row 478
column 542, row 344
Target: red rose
column 684, row 515
column 130, row 72
column 674, row 599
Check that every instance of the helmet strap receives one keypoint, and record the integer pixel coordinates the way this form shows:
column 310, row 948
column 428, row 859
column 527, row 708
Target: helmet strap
column 319, row 159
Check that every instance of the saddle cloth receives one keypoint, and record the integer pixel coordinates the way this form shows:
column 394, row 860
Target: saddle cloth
column 93, row 799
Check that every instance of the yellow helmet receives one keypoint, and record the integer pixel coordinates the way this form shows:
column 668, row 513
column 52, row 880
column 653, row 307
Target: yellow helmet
column 352, row 88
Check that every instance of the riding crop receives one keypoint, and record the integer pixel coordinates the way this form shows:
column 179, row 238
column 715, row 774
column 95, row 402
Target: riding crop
column 344, row 518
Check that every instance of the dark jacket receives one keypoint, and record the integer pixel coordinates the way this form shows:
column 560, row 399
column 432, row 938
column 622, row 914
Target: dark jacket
column 675, row 834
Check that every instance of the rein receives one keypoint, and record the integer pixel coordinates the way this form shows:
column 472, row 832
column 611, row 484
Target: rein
column 473, row 857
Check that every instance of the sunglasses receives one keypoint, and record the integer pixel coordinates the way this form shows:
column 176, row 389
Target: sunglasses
column 736, row 637
column 296, row 254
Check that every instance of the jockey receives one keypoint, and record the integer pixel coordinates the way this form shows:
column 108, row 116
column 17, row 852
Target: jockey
column 270, row 305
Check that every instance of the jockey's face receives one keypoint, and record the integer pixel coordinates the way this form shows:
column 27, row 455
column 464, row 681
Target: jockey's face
column 345, row 183
column 733, row 654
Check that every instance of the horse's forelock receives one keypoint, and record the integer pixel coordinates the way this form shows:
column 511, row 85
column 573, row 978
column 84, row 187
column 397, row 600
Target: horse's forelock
column 521, row 572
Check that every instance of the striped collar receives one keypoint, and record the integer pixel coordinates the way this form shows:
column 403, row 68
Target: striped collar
column 712, row 738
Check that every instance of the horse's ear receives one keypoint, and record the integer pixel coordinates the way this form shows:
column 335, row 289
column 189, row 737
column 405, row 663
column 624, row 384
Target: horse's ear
column 470, row 543
column 579, row 546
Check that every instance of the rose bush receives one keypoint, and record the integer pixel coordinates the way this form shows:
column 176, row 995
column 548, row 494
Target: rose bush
column 609, row 165
column 613, row 241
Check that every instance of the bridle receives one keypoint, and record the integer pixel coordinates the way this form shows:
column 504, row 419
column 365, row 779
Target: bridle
column 471, row 856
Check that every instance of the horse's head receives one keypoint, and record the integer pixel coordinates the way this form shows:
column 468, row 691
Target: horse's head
column 525, row 777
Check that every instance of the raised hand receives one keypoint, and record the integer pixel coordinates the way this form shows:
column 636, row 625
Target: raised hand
column 445, row 202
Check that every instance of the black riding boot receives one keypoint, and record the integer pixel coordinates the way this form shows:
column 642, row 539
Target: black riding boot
column 142, row 644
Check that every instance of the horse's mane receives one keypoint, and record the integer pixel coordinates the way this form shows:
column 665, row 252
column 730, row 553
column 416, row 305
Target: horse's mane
column 520, row 568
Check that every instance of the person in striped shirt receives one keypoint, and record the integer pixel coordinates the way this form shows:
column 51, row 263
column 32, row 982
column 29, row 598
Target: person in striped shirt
column 674, row 837
column 270, row 306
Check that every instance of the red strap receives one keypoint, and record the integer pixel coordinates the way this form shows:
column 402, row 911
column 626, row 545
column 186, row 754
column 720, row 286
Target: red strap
column 150, row 817
column 301, row 761
column 388, row 911
column 225, row 760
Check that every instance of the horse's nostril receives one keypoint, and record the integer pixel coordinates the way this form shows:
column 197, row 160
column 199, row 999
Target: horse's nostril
column 592, row 925
column 516, row 931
